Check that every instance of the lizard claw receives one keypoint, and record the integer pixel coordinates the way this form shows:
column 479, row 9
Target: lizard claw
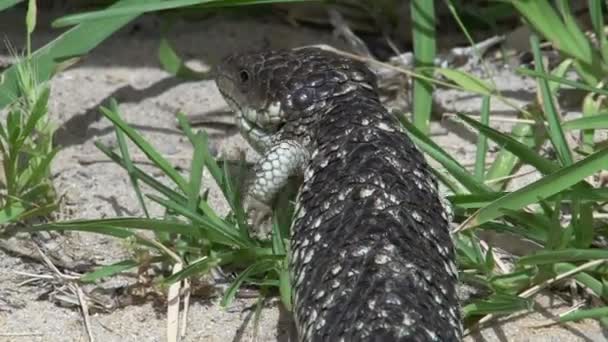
column 258, row 212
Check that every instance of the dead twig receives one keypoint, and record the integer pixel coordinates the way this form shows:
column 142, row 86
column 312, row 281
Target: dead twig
column 176, row 290
column 75, row 288
column 341, row 29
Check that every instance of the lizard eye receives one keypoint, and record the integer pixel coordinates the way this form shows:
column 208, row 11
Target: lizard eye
column 244, row 76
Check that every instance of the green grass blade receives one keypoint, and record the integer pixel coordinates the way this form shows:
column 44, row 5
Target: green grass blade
column 147, row 149
column 596, row 313
column 38, row 172
column 129, row 166
column 482, row 141
column 505, row 162
column 11, row 212
column 210, row 214
column 478, row 54
column 210, row 163
column 598, row 121
column 467, row 246
column 553, row 118
column 215, row 170
column 234, row 193
column 592, row 105
column 450, row 182
column 556, row 234
column 584, row 278
column 590, row 68
column 467, row 81
column 39, row 109
column 543, row 17
column 30, row 20
column 475, row 201
column 133, row 9
column 564, row 255
column 204, row 264
column 4, row 137
column 259, row 305
column 596, row 13
column 141, row 175
column 565, row 35
column 200, row 140
column 115, row 268
column 217, row 232
column 13, row 122
column 285, row 286
column 103, row 225
column 578, row 36
column 30, row 24
column 514, row 282
column 4, row 4
column 437, row 153
column 261, row 266
column 560, row 80
column 497, row 304
column 542, row 188
column 199, row 267
column 522, row 151
column 124, row 151
column 559, row 71
column 173, row 64
column 588, row 194
column 106, row 227
column 280, row 235
column 74, row 42
column 527, row 230
column 236, row 3
column 196, row 173
column 121, row 233
column 39, row 211
column 140, row 7
column 584, row 231
column 217, row 174
column 423, row 35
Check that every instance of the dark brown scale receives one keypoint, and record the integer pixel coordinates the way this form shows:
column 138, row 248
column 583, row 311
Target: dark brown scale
column 371, row 255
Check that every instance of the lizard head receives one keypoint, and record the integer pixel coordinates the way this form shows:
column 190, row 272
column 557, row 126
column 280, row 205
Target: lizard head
column 270, row 87
column 246, row 83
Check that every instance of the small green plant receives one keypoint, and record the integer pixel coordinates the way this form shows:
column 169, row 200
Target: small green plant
column 26, row 144
column 191, row 232
column 27, row 151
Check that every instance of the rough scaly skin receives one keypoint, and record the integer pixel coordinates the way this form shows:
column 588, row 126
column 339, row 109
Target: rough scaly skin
column 371, row 254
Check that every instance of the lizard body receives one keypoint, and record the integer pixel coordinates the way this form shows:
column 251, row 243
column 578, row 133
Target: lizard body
column 371, row 255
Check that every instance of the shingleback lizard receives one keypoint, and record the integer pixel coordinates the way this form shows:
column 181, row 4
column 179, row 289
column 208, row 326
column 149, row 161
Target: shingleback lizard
column 371, row 255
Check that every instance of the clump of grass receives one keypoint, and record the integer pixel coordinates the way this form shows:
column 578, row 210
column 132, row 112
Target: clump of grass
column 197, row 233
column 26, row 144
column 562, row 213
column 191, row 238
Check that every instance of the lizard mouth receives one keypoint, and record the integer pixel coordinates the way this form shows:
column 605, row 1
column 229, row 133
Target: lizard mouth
column 234, row 106
column 267, row 119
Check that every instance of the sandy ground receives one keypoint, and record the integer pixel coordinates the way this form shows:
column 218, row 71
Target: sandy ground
column 125, row 67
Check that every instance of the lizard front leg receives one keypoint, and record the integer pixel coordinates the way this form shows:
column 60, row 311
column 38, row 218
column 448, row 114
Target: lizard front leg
column 284, row 159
